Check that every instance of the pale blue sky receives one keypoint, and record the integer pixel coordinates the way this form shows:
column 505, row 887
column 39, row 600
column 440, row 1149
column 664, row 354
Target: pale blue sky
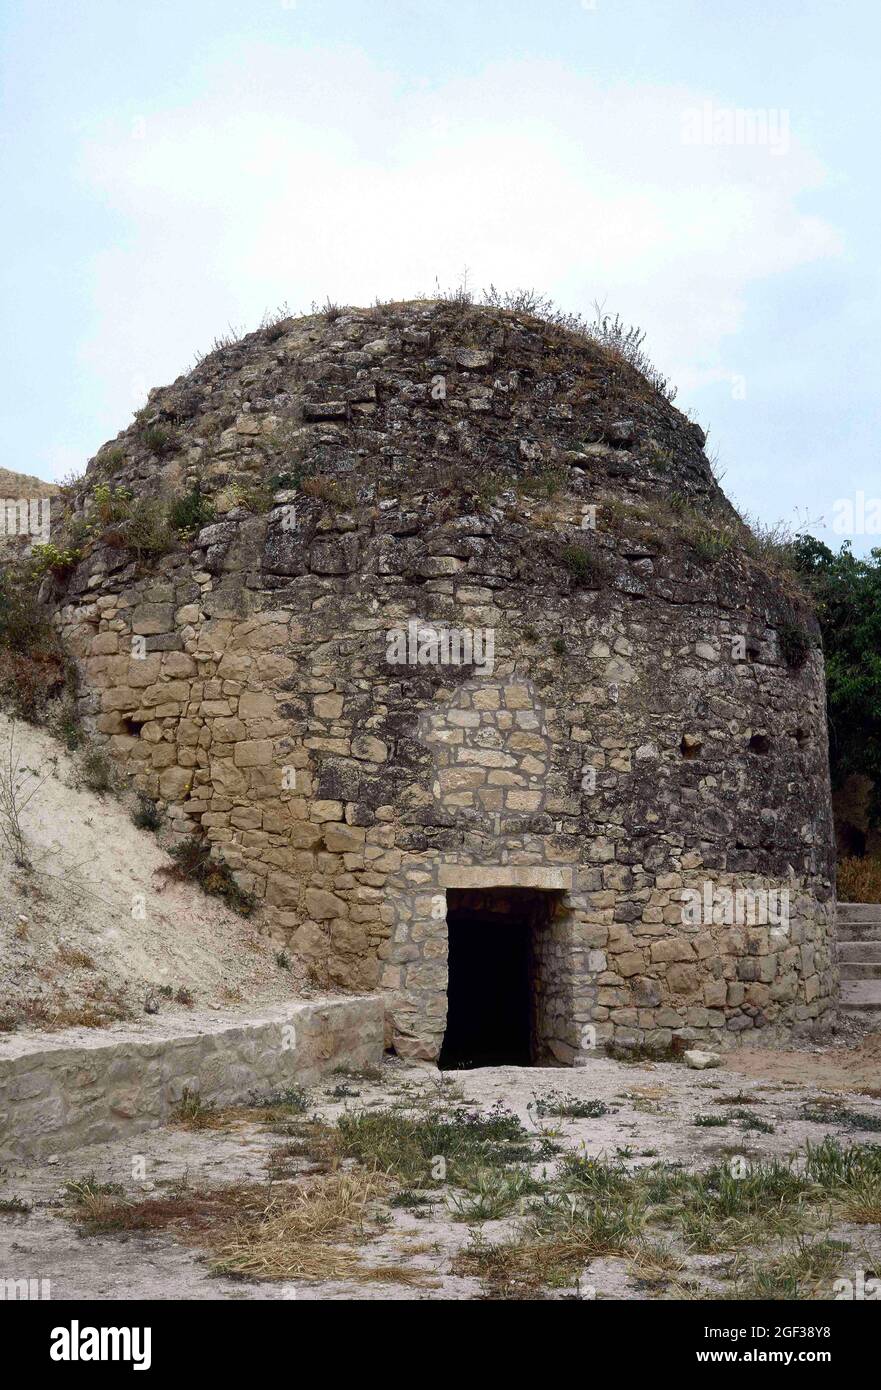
column 171, row 168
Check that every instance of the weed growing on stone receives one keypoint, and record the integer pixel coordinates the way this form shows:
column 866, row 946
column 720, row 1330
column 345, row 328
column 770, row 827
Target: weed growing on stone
column 146, row 814
column 193, row 860
column 585, row 566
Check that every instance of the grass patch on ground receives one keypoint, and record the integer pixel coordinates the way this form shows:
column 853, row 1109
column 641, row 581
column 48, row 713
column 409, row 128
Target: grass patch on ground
column 192, row 1112
column 425, row 1151
column 103, row 1209
column 334, row 1185
column 806, row 1271
column 14, row 1206
column 489, row 1194
column 600, row 1207
column 563, row 1106
column 555, row 1246
column 296, row 1233
column 748, row 1121
column 302, row 1230
column 834, row 1112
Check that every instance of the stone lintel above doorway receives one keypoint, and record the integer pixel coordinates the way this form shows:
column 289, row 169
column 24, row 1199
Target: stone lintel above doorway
column 505, row 876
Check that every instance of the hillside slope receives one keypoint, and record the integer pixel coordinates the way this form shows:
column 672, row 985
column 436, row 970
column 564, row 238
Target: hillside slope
column 94, row 927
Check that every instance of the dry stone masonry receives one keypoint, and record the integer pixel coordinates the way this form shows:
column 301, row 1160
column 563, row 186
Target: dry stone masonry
column 470, row 614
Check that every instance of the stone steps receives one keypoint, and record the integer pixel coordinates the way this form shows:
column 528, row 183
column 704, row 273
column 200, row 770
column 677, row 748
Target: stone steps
column 860, row 912
column 859, row 969
column 863, row 950
column 863, row 932
column 861, row 997
column 859, row 959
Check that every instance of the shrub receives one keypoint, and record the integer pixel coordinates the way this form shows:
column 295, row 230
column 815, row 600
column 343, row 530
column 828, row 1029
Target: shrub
column 585, row 567
column 192, row 1112
column 254, row 497
column 191, row 512
column 96, row 770
column 18, row 787
column 64, row 719
column 146, row 814
column 548, row 484
column 111, row 504
column 193, row 860
column 33, row 668
column 23, row 621
column 330, row 490
column 149, row 531
column 846, row 590
column 710, row 541
column 140, row 524
column 48, row 559
column 330, row 309
column 290, row 479
column 859, row 880
column 795, row 643
column 158, row 439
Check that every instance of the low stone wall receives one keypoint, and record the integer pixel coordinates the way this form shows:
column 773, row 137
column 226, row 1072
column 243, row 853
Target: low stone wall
column 69, row 1089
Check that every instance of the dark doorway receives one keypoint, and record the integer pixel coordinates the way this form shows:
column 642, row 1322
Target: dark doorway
column 490, row 995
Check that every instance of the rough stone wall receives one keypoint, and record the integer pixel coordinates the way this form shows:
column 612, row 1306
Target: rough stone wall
column 66, row 1090
column 642, row 712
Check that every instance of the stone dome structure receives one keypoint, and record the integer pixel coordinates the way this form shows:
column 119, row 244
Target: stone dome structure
column 433, row 621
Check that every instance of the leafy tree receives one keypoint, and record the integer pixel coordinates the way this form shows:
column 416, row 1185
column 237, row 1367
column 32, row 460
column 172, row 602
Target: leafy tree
column 847, row 593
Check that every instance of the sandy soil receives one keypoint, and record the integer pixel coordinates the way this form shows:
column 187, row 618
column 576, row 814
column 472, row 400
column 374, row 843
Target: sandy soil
column 94, row 926
column 843, row 1066
column 651, row 1115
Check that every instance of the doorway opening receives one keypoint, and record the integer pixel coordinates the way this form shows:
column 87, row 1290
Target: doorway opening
column 494, row 952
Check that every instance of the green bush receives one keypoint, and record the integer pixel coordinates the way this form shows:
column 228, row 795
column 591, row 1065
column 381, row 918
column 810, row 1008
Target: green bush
column 585, row 566
column 193, row 860
column 859, row 880
column 97, row 771
column 146, row 814
column 33, row 668
column 159, row 440
column 191, row 512
column 846, row 591
column 795, row 644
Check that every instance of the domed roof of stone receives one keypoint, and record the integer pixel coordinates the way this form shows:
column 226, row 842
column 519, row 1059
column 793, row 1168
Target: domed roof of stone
column 413, row 389
column 407, row 414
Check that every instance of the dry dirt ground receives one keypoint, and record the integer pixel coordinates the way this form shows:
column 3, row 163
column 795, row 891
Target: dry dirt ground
column 94, row 926
column 581, row 1226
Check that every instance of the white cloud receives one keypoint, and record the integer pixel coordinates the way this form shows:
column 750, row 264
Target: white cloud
column 293, row 175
